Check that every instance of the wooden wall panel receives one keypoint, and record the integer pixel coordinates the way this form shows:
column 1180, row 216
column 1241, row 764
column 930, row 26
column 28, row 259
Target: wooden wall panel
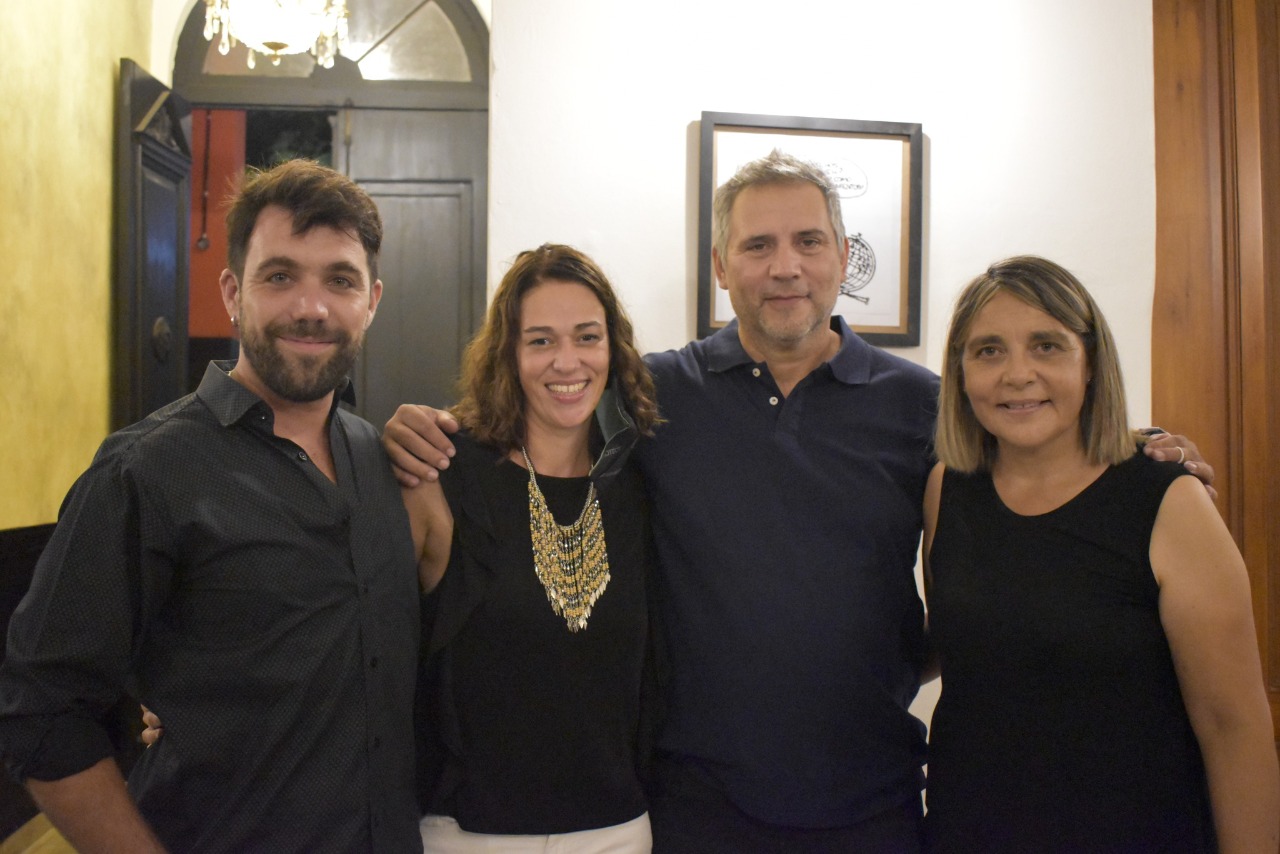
column 1189, row 393
column 1256, row 85
column 1216, row 316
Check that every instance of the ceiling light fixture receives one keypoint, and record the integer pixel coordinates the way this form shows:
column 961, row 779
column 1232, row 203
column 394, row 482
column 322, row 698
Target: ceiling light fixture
column 275, row 28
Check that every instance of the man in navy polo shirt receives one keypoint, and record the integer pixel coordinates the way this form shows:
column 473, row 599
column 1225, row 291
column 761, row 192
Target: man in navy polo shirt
column 786, row 492
column 786, row 495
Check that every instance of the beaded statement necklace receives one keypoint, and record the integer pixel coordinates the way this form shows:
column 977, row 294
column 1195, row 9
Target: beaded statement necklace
column 571, row 560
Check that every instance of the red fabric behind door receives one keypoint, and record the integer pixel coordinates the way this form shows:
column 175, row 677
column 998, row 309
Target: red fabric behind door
column 225, row 138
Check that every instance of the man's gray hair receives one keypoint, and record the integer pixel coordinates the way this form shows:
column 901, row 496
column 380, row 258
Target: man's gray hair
column 776, row 168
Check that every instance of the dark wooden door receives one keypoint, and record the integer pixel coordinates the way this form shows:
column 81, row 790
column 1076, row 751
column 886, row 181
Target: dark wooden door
column 152, row 209
column 426, row 170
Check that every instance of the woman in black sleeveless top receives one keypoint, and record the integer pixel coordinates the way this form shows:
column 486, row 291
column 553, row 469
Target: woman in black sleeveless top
column 1102, row 687
column 535, row 547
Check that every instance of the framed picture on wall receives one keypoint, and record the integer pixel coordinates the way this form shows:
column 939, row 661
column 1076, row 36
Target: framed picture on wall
column 877, row 168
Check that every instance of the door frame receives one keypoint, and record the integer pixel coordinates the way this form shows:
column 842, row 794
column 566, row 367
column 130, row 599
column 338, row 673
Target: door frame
column 1216, row 313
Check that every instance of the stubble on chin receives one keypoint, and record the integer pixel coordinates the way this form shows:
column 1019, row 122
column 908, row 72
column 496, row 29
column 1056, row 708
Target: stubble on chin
column 791, row 332
column 300, row 379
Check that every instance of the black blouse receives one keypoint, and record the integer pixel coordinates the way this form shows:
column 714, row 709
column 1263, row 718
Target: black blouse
column 524, row 726
column 1061, row 726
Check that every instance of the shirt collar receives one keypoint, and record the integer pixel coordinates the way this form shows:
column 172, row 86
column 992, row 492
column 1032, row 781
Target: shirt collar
column 229, row 401
column 850, row 365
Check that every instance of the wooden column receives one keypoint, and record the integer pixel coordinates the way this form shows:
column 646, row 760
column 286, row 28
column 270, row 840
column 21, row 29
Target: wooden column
column 1216, row 316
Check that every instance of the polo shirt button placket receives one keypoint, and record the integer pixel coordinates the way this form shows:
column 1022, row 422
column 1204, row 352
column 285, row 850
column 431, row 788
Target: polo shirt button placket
column 756, row 372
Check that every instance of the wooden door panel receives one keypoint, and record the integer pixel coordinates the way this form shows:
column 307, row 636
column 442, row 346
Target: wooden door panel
column 1216, row 317
column 424, row 320
column 152, row 204
column 162, row 308
column 427, row 172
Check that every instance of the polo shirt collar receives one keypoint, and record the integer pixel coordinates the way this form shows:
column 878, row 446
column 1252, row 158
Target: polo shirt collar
column 850, row 365
column 229, row 401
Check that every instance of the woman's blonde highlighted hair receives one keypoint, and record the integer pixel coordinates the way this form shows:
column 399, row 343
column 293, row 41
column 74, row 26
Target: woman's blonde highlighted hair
column 961, row 442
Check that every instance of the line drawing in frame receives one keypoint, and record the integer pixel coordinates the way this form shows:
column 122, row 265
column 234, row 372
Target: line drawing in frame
column 878, row 169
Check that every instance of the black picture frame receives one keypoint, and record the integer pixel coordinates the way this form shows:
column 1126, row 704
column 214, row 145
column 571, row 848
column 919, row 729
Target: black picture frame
column 879, row 168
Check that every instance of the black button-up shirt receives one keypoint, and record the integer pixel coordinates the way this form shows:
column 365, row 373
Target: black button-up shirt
column 268, row 615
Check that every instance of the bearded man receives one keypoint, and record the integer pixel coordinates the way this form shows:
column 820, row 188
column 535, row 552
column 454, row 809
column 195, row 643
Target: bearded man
column 240, row 562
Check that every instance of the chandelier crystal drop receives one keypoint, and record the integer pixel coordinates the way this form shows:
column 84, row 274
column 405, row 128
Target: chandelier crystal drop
column 276, row 28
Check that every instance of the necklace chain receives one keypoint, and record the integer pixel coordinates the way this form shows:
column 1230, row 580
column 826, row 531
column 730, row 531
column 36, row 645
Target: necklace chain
column 571, row 561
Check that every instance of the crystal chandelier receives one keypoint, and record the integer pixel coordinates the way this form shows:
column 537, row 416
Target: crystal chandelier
column 275, row 28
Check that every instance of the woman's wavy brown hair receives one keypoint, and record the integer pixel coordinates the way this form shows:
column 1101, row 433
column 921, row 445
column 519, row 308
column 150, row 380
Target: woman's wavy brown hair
column 492, row 401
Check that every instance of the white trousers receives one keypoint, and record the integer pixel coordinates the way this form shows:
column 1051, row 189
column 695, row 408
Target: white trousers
column 441, row 835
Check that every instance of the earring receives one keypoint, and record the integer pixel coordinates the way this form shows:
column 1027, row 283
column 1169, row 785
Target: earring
column 235, row 321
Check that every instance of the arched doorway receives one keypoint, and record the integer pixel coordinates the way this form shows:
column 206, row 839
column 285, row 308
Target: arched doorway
column 406, row 112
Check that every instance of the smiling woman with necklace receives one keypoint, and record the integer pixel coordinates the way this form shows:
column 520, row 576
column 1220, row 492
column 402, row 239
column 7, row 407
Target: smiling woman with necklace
column 534, row 546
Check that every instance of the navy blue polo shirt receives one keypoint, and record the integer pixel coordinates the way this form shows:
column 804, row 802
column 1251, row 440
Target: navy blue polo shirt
column 787, row 532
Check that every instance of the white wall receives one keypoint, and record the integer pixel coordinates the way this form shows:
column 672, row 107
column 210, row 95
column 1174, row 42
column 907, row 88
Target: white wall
column 1038, row 120
column 167, row 18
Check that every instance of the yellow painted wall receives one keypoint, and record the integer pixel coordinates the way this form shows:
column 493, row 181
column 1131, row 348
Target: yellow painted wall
column 59, row 62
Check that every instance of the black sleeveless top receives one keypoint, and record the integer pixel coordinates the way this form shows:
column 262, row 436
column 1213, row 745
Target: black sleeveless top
column 525, row 727
column 1060, row 727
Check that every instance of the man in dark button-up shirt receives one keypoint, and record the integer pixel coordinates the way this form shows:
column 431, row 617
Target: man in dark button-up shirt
column 240, row 561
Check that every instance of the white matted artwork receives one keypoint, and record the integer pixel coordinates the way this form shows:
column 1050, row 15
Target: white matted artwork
column 876, row 168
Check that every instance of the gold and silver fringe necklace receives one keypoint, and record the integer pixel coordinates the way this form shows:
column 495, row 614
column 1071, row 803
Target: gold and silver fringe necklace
column 571, row 560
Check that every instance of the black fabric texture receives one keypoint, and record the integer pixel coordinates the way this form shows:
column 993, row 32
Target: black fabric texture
column 1060, row 727
column 267, row 614
column 525, row 727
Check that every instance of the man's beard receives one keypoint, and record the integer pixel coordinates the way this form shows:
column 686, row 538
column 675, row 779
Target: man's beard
column 299, row 378
column 790, row 335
